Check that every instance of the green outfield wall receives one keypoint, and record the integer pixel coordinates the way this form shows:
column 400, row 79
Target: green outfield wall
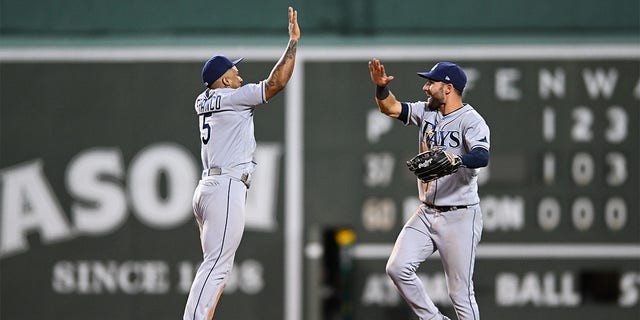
column 92, row 18
column 99, row 157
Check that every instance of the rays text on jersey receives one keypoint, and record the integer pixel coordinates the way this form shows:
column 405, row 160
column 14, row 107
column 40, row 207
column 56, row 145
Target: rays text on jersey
column 445, row 139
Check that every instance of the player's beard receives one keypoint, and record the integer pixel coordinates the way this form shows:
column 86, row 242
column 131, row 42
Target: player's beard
column 435, row 100
column 434, row 103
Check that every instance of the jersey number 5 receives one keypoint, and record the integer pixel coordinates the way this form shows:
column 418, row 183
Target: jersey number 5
column 205, row 132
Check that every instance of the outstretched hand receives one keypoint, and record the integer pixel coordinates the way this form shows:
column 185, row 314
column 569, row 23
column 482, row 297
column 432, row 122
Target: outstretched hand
column 294, row 28
column 378, row 75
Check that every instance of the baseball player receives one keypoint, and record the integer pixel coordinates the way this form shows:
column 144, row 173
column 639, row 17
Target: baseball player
column 449, row 219
column 225, row 112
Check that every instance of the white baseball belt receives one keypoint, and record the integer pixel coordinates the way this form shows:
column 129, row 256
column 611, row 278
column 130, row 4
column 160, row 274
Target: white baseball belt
column 242, row 176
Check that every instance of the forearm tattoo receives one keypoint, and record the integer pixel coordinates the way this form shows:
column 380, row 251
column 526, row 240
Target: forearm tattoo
column 284, row 68
column 291, row 49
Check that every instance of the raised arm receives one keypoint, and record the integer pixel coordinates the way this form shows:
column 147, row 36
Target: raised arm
column 281, row 73
column 386, row 100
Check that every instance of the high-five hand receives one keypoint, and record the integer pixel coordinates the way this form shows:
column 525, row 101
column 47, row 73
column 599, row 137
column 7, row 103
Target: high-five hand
column 294, row 29
column 378, row 75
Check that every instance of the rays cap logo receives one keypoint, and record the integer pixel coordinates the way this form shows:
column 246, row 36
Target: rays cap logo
column 447, row 72
column 215, row 67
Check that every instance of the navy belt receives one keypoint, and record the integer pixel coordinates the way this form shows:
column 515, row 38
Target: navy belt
column 445, row 208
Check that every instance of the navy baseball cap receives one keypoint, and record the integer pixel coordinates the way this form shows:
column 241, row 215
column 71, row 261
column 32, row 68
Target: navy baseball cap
column 215, row 67
column 447, row 72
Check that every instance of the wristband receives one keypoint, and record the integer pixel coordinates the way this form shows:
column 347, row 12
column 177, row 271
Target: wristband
column 382, row 92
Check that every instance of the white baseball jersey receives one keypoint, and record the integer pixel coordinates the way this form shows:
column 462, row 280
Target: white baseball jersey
column 457, row 132
column 227, row 140
column 455, row 232
column 226, row 126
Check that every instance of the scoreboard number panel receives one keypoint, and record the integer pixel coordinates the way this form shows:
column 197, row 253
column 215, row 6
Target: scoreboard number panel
column 560, row 197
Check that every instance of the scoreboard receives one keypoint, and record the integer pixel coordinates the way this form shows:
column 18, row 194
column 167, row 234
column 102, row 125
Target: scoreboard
column 559, row 197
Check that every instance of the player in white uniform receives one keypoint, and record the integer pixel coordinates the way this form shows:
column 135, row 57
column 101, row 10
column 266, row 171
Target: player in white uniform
column 449, row 220
column 225, row 111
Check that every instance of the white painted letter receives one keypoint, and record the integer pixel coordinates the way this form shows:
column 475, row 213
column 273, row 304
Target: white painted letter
column 28, row 203
column 102, row 206
column 175, row 162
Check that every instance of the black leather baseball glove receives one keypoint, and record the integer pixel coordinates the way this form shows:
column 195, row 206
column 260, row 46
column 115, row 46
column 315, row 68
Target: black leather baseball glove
column 433, row 164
